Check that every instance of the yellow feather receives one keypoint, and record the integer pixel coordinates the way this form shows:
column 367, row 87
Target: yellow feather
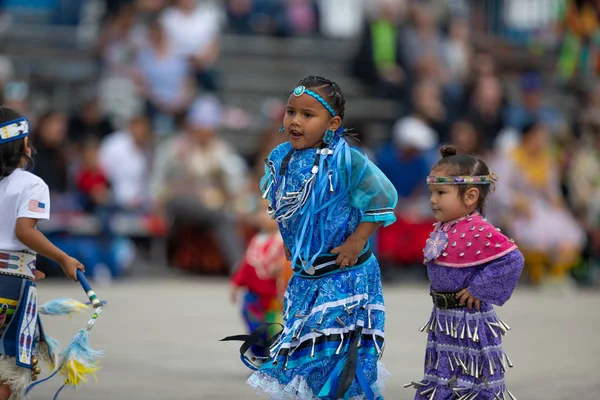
column 77, row 305
column 76, row 372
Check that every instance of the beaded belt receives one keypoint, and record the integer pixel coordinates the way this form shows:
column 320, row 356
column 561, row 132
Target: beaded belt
column 18, row 263
column 445, row 300
column 326, row 264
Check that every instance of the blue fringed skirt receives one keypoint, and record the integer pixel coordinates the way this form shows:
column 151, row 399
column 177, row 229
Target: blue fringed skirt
column 322, row 318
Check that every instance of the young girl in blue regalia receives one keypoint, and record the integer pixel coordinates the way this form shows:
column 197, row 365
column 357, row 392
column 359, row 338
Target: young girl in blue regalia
column 24, row 199
column 328, row 199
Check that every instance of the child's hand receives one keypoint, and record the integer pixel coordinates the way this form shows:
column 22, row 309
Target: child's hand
column 37, row 275
column 464, row 297
column 349, row 251
column 234, row 293
column 70, row 266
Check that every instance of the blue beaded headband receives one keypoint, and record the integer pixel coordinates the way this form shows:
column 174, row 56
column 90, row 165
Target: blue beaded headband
column 300, row 90
column 14, row 130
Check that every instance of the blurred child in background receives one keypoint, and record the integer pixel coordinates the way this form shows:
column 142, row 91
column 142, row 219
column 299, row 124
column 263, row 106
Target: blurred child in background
column 264, row 273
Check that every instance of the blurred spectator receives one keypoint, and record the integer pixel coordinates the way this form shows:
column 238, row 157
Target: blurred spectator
column 149, row 7
column 406, row 162
column 89, row 123
column 301, row 16
column 532, row 107
column 341, row 19
column 587, row 115
column 530, row 205
column 583, row 179
column 7, row 72
column 581, row 39
column 113, row 7
column 193, row 30
column 165, row 80
column 482, row 66
column 265, row 17
column 198, row 178
column 427, row 107
column 91, row 180
column 458, row 51
column 465, row 136
column 125, row 158
column 423, row 45
column 16, row 96
column 584, row 192
column 486, row 109
column 240, row 16
column 118, row 43
column 49, row 139
column 379, row 61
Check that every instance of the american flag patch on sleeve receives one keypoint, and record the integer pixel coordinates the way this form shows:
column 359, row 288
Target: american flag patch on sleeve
column 36, row 206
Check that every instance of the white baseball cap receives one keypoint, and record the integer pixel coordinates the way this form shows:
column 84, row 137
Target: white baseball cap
column 411, row 132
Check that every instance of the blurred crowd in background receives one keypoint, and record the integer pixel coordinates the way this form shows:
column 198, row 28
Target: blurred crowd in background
column 142, row 156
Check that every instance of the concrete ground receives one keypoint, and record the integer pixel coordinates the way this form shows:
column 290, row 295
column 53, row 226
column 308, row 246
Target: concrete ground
column 161, row 337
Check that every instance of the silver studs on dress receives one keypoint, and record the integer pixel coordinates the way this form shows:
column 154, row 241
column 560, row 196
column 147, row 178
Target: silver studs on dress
column 469, row 244
column 461, row 254
column 489, row 235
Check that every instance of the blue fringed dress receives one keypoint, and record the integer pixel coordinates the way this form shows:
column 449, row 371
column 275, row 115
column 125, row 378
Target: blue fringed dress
column 324, row 316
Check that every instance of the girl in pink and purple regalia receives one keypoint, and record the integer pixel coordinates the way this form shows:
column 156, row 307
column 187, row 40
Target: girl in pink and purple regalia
column 471, row 267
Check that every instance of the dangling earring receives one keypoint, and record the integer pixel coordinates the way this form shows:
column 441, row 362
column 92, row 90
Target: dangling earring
column 281, row 130
column 328, row 136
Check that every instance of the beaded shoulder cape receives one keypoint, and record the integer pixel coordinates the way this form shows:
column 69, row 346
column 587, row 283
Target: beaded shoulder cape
column 466, row 242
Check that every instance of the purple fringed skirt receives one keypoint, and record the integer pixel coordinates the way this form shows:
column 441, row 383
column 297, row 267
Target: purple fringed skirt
column 464, row 357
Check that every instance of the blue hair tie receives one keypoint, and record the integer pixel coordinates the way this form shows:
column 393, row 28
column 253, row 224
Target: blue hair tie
column 300, row 90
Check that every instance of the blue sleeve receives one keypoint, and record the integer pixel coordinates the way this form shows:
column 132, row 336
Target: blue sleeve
column 371, row 191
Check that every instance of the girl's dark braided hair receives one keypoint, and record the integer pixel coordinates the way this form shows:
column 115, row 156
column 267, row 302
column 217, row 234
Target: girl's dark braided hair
column 333, row 95
column 329, row 91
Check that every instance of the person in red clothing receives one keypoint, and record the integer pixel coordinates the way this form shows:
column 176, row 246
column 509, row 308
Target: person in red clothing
column 91, row 181
column 264, row 273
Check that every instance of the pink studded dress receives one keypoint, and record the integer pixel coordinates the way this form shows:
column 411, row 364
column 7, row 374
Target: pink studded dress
column 464, row 358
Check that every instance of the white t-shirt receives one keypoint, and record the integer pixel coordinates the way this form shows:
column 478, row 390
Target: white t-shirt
column 125, row 165
column 190, row 34
column 22, row 195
